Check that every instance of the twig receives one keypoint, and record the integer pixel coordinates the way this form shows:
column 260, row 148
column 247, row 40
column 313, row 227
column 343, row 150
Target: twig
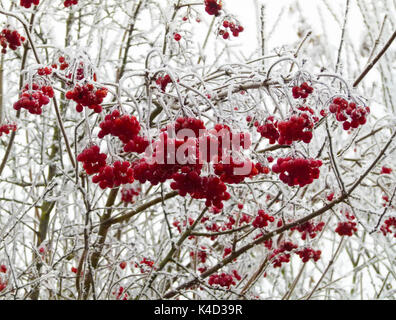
column 375, row 60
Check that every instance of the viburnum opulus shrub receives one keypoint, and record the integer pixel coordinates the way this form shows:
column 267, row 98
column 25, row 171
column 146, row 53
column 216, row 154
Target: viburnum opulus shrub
column 140, row 160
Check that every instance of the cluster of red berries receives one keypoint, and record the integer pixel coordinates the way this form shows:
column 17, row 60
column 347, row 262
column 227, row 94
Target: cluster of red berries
column 262, row 168
column 308, row 253
column 177, row 224
column 63, row 64
column 297, row 128
column 3, row 283
column 201, row 254
column 69, row 3
column 87, row 96
column 297, row 171
column 28, row 3
column 145, row 265
column 138, row 144
column 187, row 174
column 124, row 127
column 10, row 38
column 115, row 175
column 268, row 130
column 224, row 279
column 278, row 256
column 386, row 199
column 262, row 219
column 93, row 161
column 388, row 224
column 302, row 91
column 347, row 228
column 350, row 113
column 213, row 7
column 224, row 135
column 46, row 71
column 330, row 196
column 385, row 170
column 120, row 294
column 7, row 128
column 309, row 229
column 128, row 194
column 231, row 171
column 196, row 125
column 235, row 29
column 163, row 82
column 210, row 188
column 153, row 172
column 34, row 101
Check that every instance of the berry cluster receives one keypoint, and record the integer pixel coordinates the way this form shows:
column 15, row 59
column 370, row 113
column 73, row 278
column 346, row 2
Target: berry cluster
column 87, row 96
column 350, row 113
column 302, row 91
column 262, row 168
column 309, row 229
column 128, row 194
column 224, row 280
column 93, row 160
column 115, row 175
column 34, row 101
column 201, row 254
column 268, row 130
column 6, row 128
column 138, row 144
column 308, row 253
column 125, row 127
column 185, row 169
column 69, row 3
column 63, row 64
column 262, row 219
column 388, row 224
column 28, row 3
column 10, row 38
column 235, row 29
column 153, row 172
column 196, row 125
column 163, row 81
column 330, row 196
column 145, row 265
column 3, row 285
column 297, row 128
column 210, row 188
column 231, row 171
column 347, row 228
column 278, row 256
column 120, row 294
column 213, row 7
column 297, row 171
column 44, row 71
column 385, row 170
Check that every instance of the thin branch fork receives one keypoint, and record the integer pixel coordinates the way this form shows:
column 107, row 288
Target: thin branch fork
column 374, row 61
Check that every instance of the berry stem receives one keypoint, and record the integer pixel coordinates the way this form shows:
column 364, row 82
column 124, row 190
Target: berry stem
column 333, row 258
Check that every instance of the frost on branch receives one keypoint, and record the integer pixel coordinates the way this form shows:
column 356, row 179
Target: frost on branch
column 152, row 149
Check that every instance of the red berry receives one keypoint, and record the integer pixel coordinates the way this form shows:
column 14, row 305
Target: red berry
column 177, row 37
